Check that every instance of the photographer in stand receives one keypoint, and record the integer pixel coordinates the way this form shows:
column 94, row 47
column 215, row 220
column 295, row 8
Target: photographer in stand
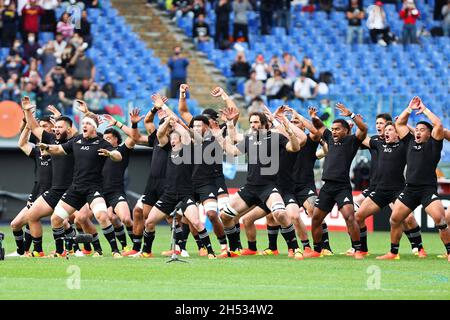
column 409, row 14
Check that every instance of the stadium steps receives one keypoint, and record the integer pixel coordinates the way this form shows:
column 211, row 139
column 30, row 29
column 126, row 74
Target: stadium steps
column 156, row 30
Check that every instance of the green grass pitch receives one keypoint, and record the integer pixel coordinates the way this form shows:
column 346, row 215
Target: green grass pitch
column 255, row 277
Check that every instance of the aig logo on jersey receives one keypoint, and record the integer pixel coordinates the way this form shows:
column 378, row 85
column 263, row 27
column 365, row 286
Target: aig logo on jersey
column 84, row 148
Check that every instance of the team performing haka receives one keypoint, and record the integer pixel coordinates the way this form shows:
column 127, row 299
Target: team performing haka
column 81, row 176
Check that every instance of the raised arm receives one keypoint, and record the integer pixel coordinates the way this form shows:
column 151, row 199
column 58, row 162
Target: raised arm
column 225, row 143
column 182, row 105
column 313, row 131
column 293, row 145
column 438, row 129
column 163, row 131
column 361, row 132
column 402, row 121
column 23, row 143
column 31, row 121
column 219, row 92
column 232, row 134
column 316, row 122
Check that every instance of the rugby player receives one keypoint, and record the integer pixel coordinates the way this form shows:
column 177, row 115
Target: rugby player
column 423, row 155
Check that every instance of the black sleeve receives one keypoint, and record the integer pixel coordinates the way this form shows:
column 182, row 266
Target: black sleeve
column 371, row 144
column 407, row 139
column 68, row 146
column 356, row 142
column 33, row 139
column 283, row 140
column 152, row 138
column 106, row 145
column 48, row 137
column 33, row 154
column 124, row 150
column 243, row 145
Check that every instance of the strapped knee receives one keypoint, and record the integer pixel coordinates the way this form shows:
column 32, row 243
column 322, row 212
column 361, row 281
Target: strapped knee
column 61, row 212
column 278, row 207
column 229, row 211
column 98, row 208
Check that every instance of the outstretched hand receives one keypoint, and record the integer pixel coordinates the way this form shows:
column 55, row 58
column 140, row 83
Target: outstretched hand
column 344, row 111
column 54, row 111
column 158, row 100
column 229, row 113
column 135, row 117
column 104, row 153
column 312, row 111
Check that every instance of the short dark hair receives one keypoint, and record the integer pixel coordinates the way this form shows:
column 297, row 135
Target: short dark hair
column 344, row 124
column 115, row 133
column 201, row 118
column 46, row 119
column 426, row 124
column 66, row 120
column 262, row 118
column 385, row 116
column 211, row 113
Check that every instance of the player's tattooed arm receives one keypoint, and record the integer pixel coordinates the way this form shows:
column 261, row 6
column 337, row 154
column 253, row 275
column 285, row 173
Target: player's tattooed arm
column 52, row 149
column 163, row 131
column 183, row 109
column 322, row 153
column 219, row 92
column 401, row 124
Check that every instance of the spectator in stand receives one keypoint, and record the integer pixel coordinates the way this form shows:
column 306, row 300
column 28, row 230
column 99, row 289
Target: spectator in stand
column 308, row 68
column 67, row 55
column 355, row 15
column 241, row 71
column 446, row 19
column 91, row 3
column 10, row 91
column 201, row 30
column 253, row 87
column 261, row 68
column 10, row 21
column 85, row 28
column 409, row 14
column 276, row 87
column 310, row 7
column 178, row 71
column 77, row 41
column 376, row 23
column 223, row 10
column 48, row 19
column 47, row 57
column 290, row 67
column 181, row 8
column 305, row 88
column 266, row 9
column 13, row 65
column 93, row 98
column 59, row 44
column 57, row 76
column 83, row 67
column 31, row 14
column 73, row 5
column 30, row 47
column 256, row 105
column 65, row 27
column 47, row 95
column 240, row 26
column 85, row 86
column 327, row 112
column 68, row 93
column 32, row 69
column 198, row 8
column 28, row 90
column 274, row 64
column 283, row 14
column 326, row 5
column 437, row 11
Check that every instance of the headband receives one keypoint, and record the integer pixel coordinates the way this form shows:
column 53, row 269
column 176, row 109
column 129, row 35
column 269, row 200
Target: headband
column 91, row 121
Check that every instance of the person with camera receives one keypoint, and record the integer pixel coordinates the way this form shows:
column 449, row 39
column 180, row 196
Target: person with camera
column 83, row 67
column 240, row 70
column 355, row 15
column 409, row 14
